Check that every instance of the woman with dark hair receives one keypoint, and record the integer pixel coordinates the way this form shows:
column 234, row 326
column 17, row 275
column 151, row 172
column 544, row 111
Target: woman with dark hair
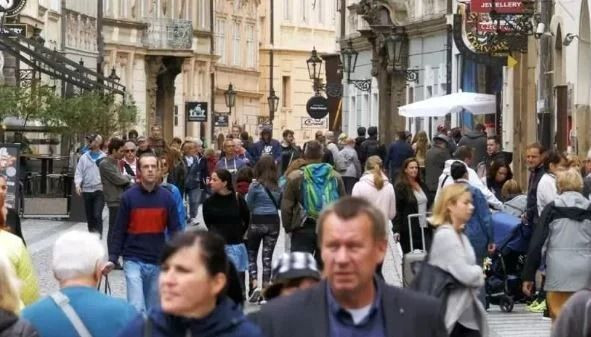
column 243, row 180
column 497, row 175
column 193, row 284
column 411, row 198
column 554, row 162
column 226, row 214
column 264, row 200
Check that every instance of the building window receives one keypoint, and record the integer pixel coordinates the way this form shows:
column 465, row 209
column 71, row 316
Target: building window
column 236, row 44
column 286, row 92
column 320, row 11
column 123, row 9
column 287, row 10
column 220, row 41
column 250, row 46
column 359, row 107
column 107, row 8
column 352, row 110
column 203, row 15
column 303, row 8
column 429, row 92
column 176, row 115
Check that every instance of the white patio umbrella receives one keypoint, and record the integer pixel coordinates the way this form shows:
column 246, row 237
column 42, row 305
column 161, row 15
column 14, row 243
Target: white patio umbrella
column 477, row 104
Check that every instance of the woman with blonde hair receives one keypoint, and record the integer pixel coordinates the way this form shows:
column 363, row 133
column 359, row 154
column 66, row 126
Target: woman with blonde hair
column 10, row 303
column 375, row 187
column 420, row 145
column 451, row 251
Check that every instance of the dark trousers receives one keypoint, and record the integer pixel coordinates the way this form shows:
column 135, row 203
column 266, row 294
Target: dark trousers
column 93, row 206
column 113, row 210
column 461, row 331
column 268, row 234
column 304, row 240
column 349, row 182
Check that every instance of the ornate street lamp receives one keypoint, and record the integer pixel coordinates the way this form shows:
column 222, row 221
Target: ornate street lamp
column 396, row 45
column 273, row 101
column 349, row 62
column 314, row 65
column 230, row 97
column 113, row 76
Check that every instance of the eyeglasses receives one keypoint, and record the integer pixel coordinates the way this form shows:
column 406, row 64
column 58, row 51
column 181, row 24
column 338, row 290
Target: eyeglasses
column 129, row 151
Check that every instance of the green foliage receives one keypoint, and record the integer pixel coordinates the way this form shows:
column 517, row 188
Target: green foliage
column 81, row 114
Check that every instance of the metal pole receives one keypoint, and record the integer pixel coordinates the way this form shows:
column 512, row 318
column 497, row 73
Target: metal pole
column 545, row 92
column 100, row 42
column 271, row 61
column 212, row 75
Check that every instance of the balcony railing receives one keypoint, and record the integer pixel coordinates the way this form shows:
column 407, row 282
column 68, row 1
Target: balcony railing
column 165, row 33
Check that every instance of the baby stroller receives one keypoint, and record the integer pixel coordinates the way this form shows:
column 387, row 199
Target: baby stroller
column 503, row 272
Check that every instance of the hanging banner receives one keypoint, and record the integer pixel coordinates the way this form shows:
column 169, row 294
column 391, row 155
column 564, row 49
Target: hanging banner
column 9, row 168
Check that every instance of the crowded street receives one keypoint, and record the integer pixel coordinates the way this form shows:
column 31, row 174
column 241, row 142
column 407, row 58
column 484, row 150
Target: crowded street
column 295, row 168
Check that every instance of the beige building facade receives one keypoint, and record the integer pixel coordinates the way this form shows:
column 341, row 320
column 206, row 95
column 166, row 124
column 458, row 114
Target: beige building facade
column 236, row 41
column 299, row 26
column 161, row 50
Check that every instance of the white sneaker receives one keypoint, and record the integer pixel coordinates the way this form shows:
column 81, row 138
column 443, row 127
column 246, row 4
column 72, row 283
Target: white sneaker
column 193, row 222
column 255, row 297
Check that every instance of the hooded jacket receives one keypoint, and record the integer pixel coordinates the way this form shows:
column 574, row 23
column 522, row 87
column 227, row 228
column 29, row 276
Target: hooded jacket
column 226, row 320
column 272, row 147
column 477, row 141
column 12, row 326
column 384, row 199
column 564, row 234
column 434, row 163
column 87, row 174
column 446, row 179
column 479, row 228
column 19, row 257
column 289, row 153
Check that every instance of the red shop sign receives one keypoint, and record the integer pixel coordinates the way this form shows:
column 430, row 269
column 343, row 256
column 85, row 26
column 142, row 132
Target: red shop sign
column 501, row 6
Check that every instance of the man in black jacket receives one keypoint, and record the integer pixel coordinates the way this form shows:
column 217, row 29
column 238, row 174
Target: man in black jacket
column 371, row 146
column 289, row 150
column 535, row 164
column 351, row 300
column 435, row 160
column 359, row 140
column 476, row 139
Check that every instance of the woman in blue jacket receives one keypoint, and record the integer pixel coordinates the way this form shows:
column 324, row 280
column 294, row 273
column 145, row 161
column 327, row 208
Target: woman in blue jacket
column 263, row 200
column 193, row 282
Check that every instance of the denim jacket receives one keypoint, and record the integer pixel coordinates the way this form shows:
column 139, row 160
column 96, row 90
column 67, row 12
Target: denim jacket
column 258, row 200
column 196, row 173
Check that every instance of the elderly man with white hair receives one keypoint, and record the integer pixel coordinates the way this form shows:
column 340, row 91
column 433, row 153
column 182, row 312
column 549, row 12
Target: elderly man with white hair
column 78, row 309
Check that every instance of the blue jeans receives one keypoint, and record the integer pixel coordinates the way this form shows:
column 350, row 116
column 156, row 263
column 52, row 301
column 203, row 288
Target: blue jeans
column 142, row 285
column 195, row 198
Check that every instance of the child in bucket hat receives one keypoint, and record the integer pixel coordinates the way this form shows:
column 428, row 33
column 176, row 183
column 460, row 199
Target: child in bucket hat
column 293, row 271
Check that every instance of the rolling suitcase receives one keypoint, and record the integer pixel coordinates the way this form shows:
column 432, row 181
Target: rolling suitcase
column 415, row 255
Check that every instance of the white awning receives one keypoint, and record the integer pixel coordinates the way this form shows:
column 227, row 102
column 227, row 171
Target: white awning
column 477, row 104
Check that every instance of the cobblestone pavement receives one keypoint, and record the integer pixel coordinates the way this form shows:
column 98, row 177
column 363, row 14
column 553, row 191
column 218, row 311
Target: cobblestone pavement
column 41, row 234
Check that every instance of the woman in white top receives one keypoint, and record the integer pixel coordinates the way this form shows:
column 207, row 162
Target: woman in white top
column 375, row 188
column 553, row 163
column 451, row 251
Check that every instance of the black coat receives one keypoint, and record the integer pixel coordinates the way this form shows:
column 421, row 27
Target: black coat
column 406, row 204
column 305, row 314
column 434, row 163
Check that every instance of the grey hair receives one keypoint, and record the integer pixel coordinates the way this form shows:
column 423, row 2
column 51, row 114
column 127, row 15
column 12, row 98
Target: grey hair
column 77, row 254
column 350, row 207
column 198, row 142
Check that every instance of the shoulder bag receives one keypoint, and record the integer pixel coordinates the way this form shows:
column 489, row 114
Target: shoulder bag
column 434, row 281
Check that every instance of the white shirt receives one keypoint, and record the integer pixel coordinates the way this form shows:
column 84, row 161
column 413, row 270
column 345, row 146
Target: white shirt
column 189, row 160
column 360, row 314
column 547, row 191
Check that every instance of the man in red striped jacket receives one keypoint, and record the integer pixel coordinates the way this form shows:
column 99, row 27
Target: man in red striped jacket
column 146, row 212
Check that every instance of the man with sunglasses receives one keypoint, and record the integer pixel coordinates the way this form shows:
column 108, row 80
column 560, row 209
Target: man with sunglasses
column 129, row 161
column 114, row 183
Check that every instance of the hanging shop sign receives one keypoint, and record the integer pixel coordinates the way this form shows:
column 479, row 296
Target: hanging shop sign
column 500, row 6
column 12, row 7
column 317, row 107
column 221, row 120
column 196, row 111
column 313, row 123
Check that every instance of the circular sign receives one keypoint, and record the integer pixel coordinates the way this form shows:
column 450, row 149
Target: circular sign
column 317, row 107
column 12, row 7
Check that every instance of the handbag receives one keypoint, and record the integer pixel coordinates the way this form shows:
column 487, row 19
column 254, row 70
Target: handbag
column 434, row 281
column 107, row 287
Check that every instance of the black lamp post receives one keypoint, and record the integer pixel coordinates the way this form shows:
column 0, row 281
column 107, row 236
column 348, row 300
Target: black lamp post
column 315, row 69
column 349, row 62
column 396, row 45
column 273, row 102
column 230, row 97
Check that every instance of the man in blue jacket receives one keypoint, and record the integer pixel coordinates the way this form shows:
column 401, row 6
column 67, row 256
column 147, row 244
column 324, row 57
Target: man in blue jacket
column 479, row 228
column 267, row 146
column 398, row 152
column 196, row 168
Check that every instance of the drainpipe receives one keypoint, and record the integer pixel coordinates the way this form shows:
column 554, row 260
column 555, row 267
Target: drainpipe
column 63, row 41
column 212, row 75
